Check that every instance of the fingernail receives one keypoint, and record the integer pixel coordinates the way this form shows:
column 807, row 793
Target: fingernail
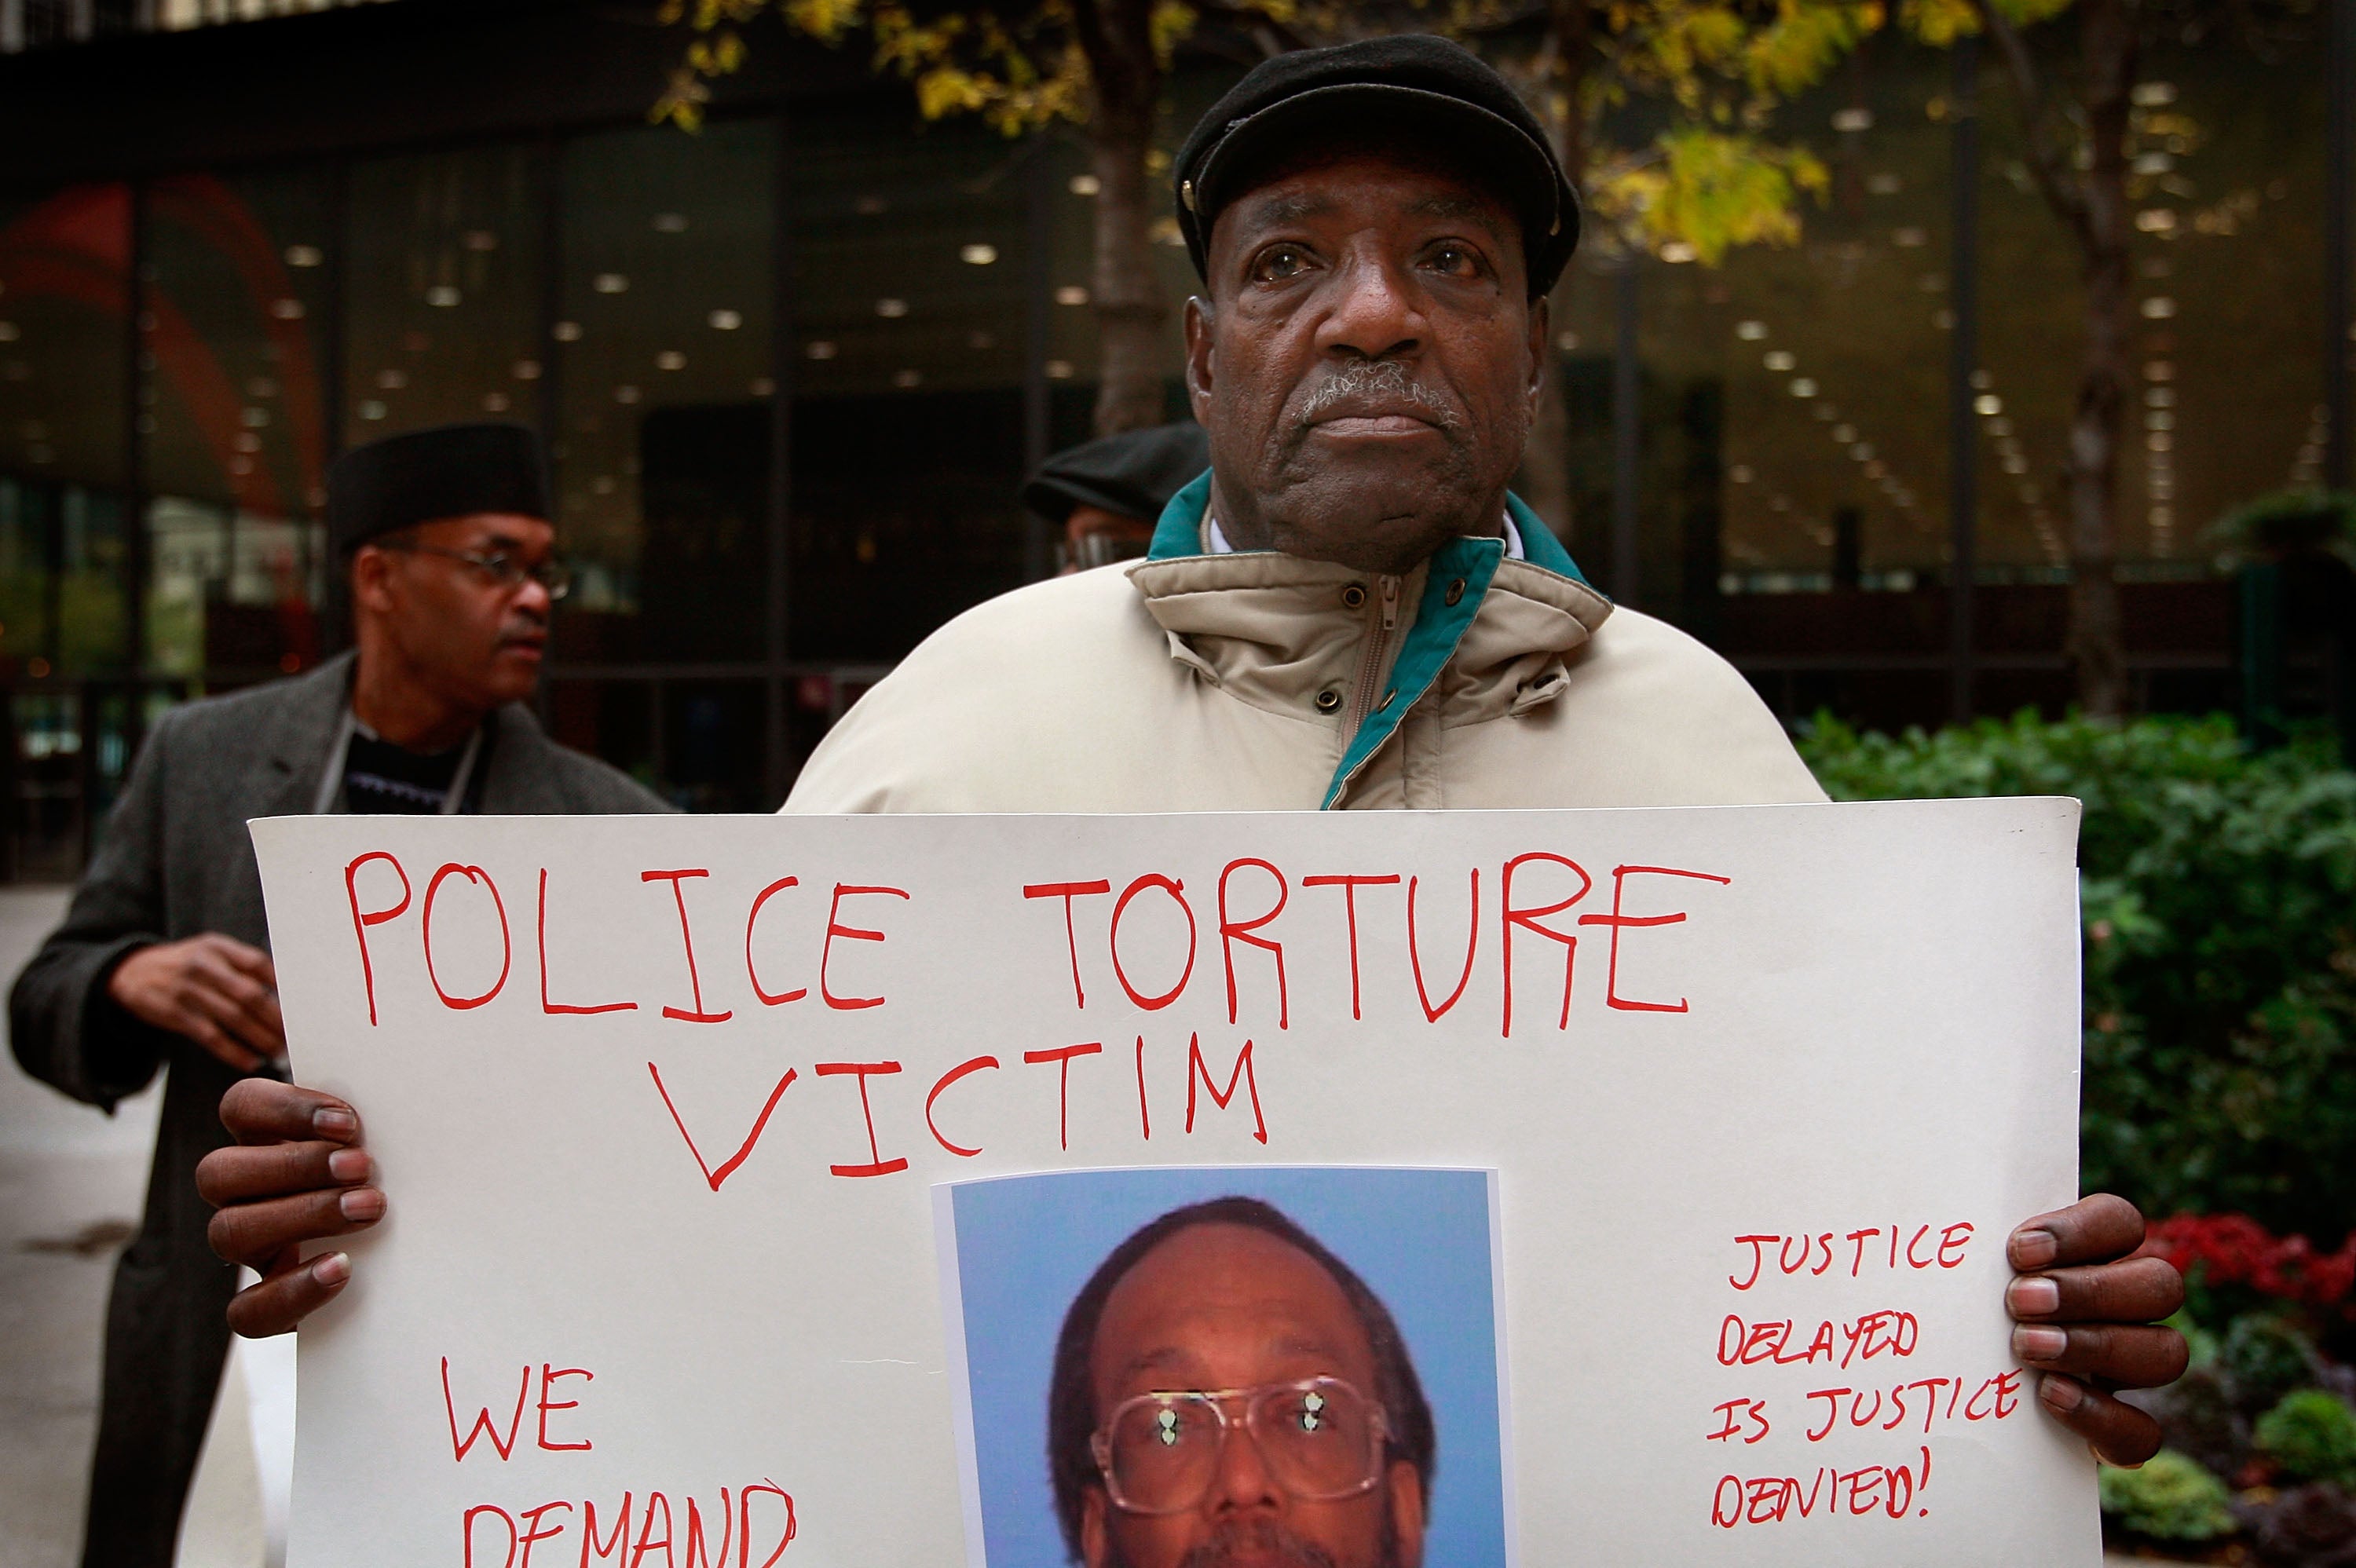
column 2034, row 1248
column 333, row 1269
column 348, row 1165
column 2061, row 1393
column 2039, row 1344
column 361, row 1203
column 334, row 1122
column 2035, row 1295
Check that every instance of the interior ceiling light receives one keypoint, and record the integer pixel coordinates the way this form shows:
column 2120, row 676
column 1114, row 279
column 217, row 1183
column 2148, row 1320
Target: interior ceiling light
column 1059, row 370
column 610, row 283
column 1071, row 293
column 724, row 320
column 1085, row 185
column 567, row 331
column 1853, row 120
column 1750, row 331
column 1779, row 359
column 670, row 222
column 1676, row 252
column 671, row 360
column 890, row 309
column 1804, row 387
column 978, row 255
column 905, row 379
column 822, row 349
column 287, row 309
column 1987, row 405
column 304, row 256
column 442, row 297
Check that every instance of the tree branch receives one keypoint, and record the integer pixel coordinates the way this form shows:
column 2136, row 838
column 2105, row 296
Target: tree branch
column 2048, row 163
column 1250, row 19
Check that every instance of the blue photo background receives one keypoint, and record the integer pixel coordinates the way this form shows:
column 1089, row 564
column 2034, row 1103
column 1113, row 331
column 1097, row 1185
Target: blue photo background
column 1419, row 1238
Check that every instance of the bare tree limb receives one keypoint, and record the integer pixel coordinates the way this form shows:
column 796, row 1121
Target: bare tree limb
column 2049, row 161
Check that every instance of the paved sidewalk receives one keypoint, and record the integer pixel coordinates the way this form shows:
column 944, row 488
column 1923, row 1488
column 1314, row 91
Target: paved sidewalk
column 71, row 1180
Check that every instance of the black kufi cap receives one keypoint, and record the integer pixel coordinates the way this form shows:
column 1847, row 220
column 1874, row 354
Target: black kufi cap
column 1415, row 84
column 451, row 470
column 1132, row 475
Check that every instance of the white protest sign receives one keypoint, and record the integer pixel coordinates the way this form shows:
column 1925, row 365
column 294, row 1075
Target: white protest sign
column 1679, row 1145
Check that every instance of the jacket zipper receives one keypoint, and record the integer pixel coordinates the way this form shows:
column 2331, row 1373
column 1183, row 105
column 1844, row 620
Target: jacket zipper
column 1384, row 621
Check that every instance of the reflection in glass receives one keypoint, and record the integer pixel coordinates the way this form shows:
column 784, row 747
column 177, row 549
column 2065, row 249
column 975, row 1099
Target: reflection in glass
column 232, row 413
column 63, row 263
column 443, row 291
column 907, row 421
column 663, row 369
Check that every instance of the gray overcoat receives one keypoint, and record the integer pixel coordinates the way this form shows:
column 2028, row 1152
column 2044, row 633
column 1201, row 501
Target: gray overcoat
column 173, row 861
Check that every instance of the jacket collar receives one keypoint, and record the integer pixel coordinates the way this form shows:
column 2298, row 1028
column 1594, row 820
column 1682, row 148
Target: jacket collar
column 1179, row 531
column 303, row 730
column 1454, row 591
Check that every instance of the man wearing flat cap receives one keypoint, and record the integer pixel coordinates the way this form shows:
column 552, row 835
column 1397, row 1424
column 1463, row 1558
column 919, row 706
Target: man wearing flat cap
column 162, row 957
column 1106, row 494
column 1349, row 611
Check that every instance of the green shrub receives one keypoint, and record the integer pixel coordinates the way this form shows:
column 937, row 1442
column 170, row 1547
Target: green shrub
column 2170, row 1499
column 2312, row 1435
column 2219, row 894
column 2265, row 1358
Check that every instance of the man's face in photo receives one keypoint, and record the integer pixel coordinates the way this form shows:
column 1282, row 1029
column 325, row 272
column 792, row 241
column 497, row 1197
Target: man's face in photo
column 1230, row 1307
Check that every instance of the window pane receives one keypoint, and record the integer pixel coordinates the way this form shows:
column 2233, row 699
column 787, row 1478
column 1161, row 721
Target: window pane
column 663, row 362
column 62, row 389
column 908, row 400
column 442, row 290
column 233, row 415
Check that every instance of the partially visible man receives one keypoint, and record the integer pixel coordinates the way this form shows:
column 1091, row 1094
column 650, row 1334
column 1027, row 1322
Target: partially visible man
column 1106, row 494
column 163, row 960
column 1227, row 1390
column 1349, row 611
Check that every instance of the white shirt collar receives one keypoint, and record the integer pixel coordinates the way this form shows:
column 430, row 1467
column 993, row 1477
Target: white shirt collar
column 1219, row 544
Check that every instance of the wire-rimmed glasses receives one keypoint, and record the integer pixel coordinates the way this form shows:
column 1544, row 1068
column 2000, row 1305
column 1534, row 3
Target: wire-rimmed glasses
column 1321, row 1439
column 501, row 568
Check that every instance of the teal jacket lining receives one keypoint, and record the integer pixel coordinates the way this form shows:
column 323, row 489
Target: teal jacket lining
column 1466, row 566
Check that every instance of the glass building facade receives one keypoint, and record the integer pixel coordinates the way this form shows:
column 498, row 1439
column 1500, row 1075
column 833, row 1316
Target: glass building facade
column 790, row 371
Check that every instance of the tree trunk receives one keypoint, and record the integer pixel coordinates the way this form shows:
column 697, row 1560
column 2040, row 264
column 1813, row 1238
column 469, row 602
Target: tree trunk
column 2108, row 39
column 1125, row 87
column 1545, row 478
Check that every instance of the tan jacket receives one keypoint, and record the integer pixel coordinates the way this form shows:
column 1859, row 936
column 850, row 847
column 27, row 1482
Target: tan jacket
column 1260, row 681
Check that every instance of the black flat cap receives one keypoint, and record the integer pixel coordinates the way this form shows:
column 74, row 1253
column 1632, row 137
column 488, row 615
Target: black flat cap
column 450, row 471
column 1424, row 86
column 1132, row 475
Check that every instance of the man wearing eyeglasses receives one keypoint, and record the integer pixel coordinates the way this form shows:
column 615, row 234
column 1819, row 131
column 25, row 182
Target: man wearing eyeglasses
column 1349, row 611
column 1227, row 1391
column 162, row 959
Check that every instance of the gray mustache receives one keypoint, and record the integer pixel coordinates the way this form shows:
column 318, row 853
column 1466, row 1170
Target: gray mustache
column 1377, row 378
